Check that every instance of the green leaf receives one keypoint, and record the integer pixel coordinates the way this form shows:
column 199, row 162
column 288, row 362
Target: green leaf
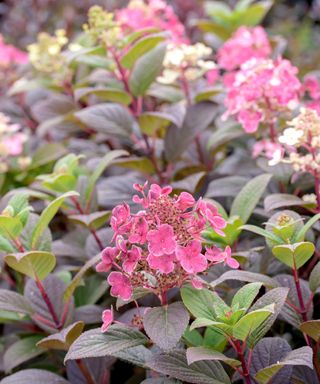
column 103, row 164
column 64, row 339
column 246, row 201
column 308, row 225
column 35, row 264
column 192, row 338
column 104, row 93
column 146, row 69
column 46, row 216
column 294, row 255
column 301, row 356
column 10, row 227
column 21, row 351
column 14, row 302
column 5, row 245
column 245, row 296
column 251, row 321
column 218, row 326
column 311, row 328
column 174, row 364
column 200, row 353
column 140, row 48
column 314, row 279
column 94, row 343
column 262, row 232
column 200, row 302
column 165, row 325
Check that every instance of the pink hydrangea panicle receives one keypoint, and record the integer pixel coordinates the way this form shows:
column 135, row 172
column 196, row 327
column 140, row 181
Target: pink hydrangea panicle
column 191, row 258
column 216, row 255
column 107, row 319
column 163, row 263
column 11, row 55
column 161, row 240
column 131, row 259
column 185, row 201
column 159, row 247
column 120, row 285
column 108, row 256
column 260, row 91
column 152, row 13
column 246, row 43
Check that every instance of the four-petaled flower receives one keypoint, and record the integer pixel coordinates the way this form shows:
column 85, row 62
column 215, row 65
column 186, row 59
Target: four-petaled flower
column 161, row 240
column 120, row 285
column 191, row 258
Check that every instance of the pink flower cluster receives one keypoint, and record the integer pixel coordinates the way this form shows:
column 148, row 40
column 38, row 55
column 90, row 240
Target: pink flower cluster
column 159, row 247
column 152, row 13
column 260, row 90
column 311, row 87
column 268, row 148
column 11, row 55
column 245, row 44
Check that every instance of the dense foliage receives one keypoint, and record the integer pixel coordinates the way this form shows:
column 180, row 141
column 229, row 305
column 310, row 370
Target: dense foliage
column 160, row 201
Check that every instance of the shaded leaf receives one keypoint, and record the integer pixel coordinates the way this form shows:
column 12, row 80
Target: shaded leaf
column 35, row 376
column 174, row 364
column 301, row 356
column 165, row 325
column 94, row 343
column 21, row 351
column 108, row 118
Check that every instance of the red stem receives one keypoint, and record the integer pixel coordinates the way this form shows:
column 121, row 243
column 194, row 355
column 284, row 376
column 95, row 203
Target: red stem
column 303, row 310
column 85, row 372
column 245, row 369
column 48, row 303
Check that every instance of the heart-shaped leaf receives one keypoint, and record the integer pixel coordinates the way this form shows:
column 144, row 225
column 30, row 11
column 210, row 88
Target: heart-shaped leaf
column 294, row 255
column 35, row 264
column 63, row 339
